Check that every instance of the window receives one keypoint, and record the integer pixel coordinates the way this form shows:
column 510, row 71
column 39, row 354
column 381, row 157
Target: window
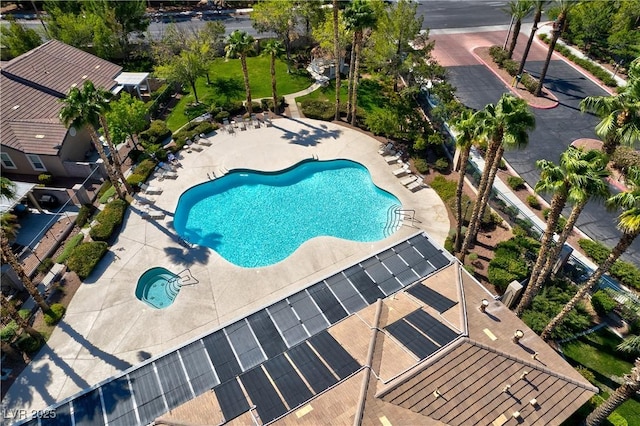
column 6, row 161
column 36, row 163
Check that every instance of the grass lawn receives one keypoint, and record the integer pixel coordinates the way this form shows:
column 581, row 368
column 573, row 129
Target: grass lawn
column 597, row 352
column 228, row 84
column 370, row 94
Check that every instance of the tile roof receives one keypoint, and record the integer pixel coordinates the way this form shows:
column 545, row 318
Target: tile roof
column 31, row 87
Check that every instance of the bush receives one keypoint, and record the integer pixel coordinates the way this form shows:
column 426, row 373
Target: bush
column 104, row 188
column 267, row 104
column 232, row 107
column 441, row 164
column 45, row 178
column 448, row 244
column 45, row 265
column 627, row 273
column 8, row 332
column 529, row 83
column 28, row 344
column 190, row 131
column 421, row 165
column 602, row 302
column 515, row 182
column 194, row 110
column 624, row 158
column 141, row 172
column 596, row 251
column 55, row 314
column 156, row 134
column 85, row 257
column 256, row 106
column 108, row 194
column 446, row 189
column 498, row 54
column 220, row 116
column 533, row 202
column 69, row 246
column 319, row 110
column 86, row 210
column 586, row 373
column 108, row 219
column 511, row 66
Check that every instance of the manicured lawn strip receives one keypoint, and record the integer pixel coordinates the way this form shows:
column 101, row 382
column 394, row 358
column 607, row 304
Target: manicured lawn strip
column 326, row 94
column 259, row 79
column 370, row 95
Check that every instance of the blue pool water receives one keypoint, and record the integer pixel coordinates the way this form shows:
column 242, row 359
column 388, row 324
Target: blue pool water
column 255, row 219
column 158, row 287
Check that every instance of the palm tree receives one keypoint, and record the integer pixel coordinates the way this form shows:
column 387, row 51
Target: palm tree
column 466, row 128
column 86, row 107
column 630, row 345
column 563, row 7
column 7, row 188
column 539, row 6
column 336, row 55
column 273, row 48
column 240, row 44
column 505, row 124
column 359, row 15
column 629, row 224
column 629, row 388
column 620, row 114
column 578, row 175
column 518, row 9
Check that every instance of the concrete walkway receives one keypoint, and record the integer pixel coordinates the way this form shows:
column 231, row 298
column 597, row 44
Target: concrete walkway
column 291, row 99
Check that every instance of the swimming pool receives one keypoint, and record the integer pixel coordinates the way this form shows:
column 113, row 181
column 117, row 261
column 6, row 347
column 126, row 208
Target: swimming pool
column 255, row 219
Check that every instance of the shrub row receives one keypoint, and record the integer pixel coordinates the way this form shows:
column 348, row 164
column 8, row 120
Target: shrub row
column 86, row 210
column 108, row 220
column 191, row 130
column 508, row 263
column 594, row 69
column 55, row 314
column 446, row 189
column 69, row 246
column 141, row 172
column 499, row 56
column 515, row 182
column 625, row 272
column 602, row 302
column 86, row 256
column 157, row 133
column 319, row 110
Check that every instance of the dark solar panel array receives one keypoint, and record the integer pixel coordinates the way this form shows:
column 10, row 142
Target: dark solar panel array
column 421, row 333
column 253, row 346
column 431, row 298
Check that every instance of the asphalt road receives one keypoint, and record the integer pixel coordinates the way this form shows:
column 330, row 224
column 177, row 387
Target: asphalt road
column 555, row 129
column 442, row 14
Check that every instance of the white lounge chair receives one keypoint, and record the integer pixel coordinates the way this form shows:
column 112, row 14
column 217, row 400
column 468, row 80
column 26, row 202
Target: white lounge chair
column 390, row 159
column 401, row 171
column 143, row 201
column 169, row 175
column 153, row 214
column 417, row 185
column 204, row 141
column 150, row 189
column 386, row 149
column 165, row 166
column 408, row 180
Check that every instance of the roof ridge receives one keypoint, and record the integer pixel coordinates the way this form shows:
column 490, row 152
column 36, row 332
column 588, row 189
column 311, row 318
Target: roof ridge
column 532, row 365
column 25, row 55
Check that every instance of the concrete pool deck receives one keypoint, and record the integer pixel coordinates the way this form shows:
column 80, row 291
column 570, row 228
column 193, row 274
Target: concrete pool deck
column 106, row 329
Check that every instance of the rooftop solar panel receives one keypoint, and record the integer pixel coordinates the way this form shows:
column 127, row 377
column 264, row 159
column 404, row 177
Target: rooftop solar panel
column 327, row 302
column 62, row 418
column 312, row 368
column 287, row 322
column 366, row 287
column 431, row 298
column 288, row 381
column 267, row 333
column 118, row 403
column 430, row 326
column 147, row 393
column 423, row 268
column 231, row 399
column 87, row 409
column 412, row 339
column 347, row 294
column 385, row 254
column 395, row 265
column 426, row 249
column 378, row 272
column 342, row 363
column 390, row 286
column 407, row 277
column 263, row 394
column 198, row 366
column 370, row 262
column 308, row 312
column 221, row 355
column 439, row 260
column 175, row 384
column 245, row 344
column 411, row 256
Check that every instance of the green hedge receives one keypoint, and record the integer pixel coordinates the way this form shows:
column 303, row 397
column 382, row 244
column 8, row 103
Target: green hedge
column 68, row 248
column 84, row 214
column 602, row 302
column 108, row 219
column 446, row 189
column 141, row 172
column 625, row 272
column 319, row 110
column 189, row 131
column 86, row 256
column 515, row 182
column 8, row 332
column 55, row 314
column 28, row 344
column 509, row 261
column 157, row 133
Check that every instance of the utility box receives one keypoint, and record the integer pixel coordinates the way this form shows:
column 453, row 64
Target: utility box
column 564, row 256
column 511, row 294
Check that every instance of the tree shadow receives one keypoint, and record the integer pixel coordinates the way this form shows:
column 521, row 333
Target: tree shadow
column 311, row 137
column 110, row 359
column 21, row 394
column 227, row 87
